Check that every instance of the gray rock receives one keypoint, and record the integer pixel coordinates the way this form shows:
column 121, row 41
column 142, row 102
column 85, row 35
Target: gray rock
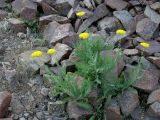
column 63, row 52
column 110, row 24
column 154, row 109
column 117, row 4
column 147, row 28
column 45, row 91
column 100, row 12
column 61, row 33
column 130, row 52
column 153, row 15
column 126, row 19
column 155, row 6
column 128, row 101
column 22, row 118
column 154, row 97
column 155, row 61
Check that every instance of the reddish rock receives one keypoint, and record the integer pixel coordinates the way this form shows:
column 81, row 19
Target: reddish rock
column 154, row 109
column 154, row 97
column 112, row 111
column 77, row 113
column 5, row 99
column 16, row 25
column 155, row 60
column 25, row 8
column 128, row 101
column 6, row 119
column 149, row 80
column 117, row 4
column 47, row 9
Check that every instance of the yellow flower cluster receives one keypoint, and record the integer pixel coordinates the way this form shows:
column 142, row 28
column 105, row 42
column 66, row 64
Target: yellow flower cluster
column 39, row 53
column 145, row 45
column 84, row 35
column 121, row 32
column 80, row 13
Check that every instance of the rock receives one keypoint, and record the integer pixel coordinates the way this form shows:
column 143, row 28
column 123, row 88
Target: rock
column 5, row 99
column 6, row 119
column 45, row 91
column 117, row 4
column 146, row 28
column 25, row 8
column 47, row 9
column 63, row 6
column 61, row 33
column 130, row 52
column 71, row 14
column 155, row 6
column 155, row 60
column 116, row 38
column 149, row 81
column 76, row 112
column 153, row 15
column 93, row 96
column 137, row 113
column 21, row 35
column 154, row 109
column 128, row 101
column 69, row 65
column 112, row 112
column 100, row 12
column 88, row 4
column 154, row 97
column 33, row 63
column 3, row 4
column 16, row 25
column 57, row 107
column 3, row 14
column 110, row 24
column 126, row 19
column 154, row 48
column 62, row 53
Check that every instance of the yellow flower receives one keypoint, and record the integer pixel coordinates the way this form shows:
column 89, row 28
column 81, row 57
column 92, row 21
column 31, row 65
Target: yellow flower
column 145, row 45
column 51, row 51
column 36, row 54
column 84, row 35
column 80, row 13
column 121, row 32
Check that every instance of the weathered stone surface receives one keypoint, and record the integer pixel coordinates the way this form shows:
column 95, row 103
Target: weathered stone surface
column 33, row 63
column 112, row 112
column 47, row 9
column 154, row 48
column 154, row 109
column 149, row 81
column 100, row 12
column 117, row 4
column 3, row 14
column 155, row 6
column 3, row 3
column 155, row 60
column 126, row 19
column 137, row 113
column 62, row 53
column 128, row 101
column 6, row 119
column 88, row 4
column 61, row 33
column 154, row 97
column 146, row 28
column 25, row 8
column 130, row 52
column 16, row 25
column 5, row 99
column 57, row 107
column 75, row 112
column 110, row 24
column 153, row 15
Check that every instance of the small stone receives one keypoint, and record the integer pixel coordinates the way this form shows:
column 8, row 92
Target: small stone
column 22, row 118
column 45, row 91
column 149, row 81
column 47, row 8
column 100, row 12
column 5, row 99
column 130, row 52
column 16, row 25
column 153, row 15
column 155, row 60
column 154, row 109
column 146, row 28
column 128, row 101
column 154, row 97
column 155, row 6
column 3, row 14
column 21, row 35
column 88, row 4
column 117, row 4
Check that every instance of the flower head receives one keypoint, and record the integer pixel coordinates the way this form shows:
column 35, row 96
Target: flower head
column 80, row 13
column 145, row 45
column 121, row 32
column 51, row 51
column 84, row 35
column 36, row 54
